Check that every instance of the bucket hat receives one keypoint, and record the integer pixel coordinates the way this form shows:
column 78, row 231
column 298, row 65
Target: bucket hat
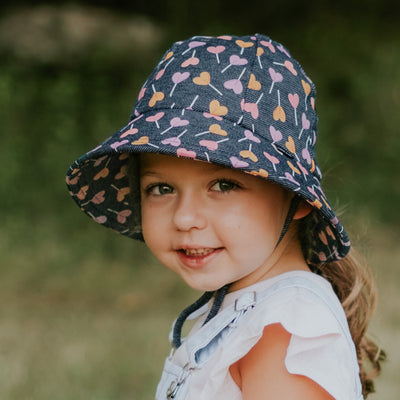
column 241, row 102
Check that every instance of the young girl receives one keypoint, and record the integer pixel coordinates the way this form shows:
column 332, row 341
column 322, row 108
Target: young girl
column 216, row 172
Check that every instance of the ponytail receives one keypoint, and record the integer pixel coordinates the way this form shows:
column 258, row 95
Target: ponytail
column 354, row 285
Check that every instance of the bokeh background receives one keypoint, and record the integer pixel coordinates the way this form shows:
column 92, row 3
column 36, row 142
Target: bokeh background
column 84, row 313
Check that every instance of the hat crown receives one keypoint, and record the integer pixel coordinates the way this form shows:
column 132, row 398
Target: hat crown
column 251, row 81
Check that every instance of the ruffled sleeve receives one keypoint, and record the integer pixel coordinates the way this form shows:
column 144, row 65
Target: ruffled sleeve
column 320, row 348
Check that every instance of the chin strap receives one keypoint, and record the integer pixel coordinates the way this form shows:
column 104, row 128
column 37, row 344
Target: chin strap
column 294, row 204
column 221, row 293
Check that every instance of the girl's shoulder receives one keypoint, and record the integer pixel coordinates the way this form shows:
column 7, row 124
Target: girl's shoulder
column 309, row 310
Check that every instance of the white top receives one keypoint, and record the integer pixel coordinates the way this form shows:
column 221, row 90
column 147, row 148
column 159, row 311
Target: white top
column 306, row 305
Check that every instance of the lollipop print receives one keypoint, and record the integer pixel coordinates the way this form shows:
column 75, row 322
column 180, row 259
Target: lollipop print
column 269, row 45
column 305, row 124
column 176, row 122
column 190, row 61
column 193, row 45
column 121, row 192
column 244, row 45
column 288, row 65
column 260, row 51
column 249, row 154
column 175, row 140
column 98, row 198
column 235, row 84
column 248, row 135
column 214, row 129
column 122, row 215
column 252, row 108
column 294, row 101
column 101, row 219
column 204, row 79
column 275, row 76
column 155, row 118
column 211, row 144
column 177, row 78
column 216, row 50
column 305, row 153
column 272, row 159
column 307, row 90
column 157, row 96
column 279, row 112
column 291, row 146
column 235, row 60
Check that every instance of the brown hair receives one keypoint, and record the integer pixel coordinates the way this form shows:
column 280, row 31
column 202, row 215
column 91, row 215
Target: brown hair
column 353, row 283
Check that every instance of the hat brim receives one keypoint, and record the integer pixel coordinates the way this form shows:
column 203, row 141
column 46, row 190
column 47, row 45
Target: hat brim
column 99, row 184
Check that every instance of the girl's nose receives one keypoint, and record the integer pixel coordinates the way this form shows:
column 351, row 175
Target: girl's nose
column 189, row 213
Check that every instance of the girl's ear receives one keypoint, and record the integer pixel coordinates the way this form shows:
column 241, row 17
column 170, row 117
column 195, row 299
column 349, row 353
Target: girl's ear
column 303, row 210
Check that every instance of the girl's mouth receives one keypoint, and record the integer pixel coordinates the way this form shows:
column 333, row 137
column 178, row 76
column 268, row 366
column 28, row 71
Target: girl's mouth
column 197, row 252
column 197, row 258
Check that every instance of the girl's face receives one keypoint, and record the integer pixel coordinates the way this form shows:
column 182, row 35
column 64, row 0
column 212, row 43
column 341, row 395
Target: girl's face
column 212, row 225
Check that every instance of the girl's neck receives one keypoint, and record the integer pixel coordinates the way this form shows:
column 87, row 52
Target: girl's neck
column 287, row 256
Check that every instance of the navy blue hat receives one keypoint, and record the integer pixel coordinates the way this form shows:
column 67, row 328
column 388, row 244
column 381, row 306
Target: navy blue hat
column 241, row 102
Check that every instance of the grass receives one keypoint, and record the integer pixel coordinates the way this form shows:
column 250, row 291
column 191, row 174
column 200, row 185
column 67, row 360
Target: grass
column 88, row 317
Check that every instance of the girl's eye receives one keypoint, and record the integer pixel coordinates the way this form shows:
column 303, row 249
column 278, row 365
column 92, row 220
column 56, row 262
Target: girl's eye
column 224, row 186
column 159, row 189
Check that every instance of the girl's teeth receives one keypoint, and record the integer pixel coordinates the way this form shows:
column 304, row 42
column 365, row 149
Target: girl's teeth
column 197, row 252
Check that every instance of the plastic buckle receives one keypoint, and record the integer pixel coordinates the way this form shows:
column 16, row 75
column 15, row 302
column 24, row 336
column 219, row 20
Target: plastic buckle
column 246, row 301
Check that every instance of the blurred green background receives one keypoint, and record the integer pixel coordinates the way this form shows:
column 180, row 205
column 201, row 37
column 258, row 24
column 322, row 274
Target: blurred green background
column 85, row 313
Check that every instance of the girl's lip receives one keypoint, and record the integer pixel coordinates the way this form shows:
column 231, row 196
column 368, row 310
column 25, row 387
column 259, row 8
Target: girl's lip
column 199, row 260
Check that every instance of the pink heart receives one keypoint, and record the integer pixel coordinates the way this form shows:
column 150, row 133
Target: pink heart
column 236, row 163
column 283, row 50
column 121, row 216
column 252, row 108
column 275, row 134
column 196, row 43
column 290, row 67
column 131, row 131
column 181, row 152
column 305, row 122
column 160, row 73
column 115, row 145
column 271, row 158
column 141, row 93
column 209, row 115
column 215, row 49
column 100, row 219
column 236, row 60
column 235, row 85
column 190, row 61
column 155, row 117
column 275, row 76
column 178, row 122
column 249, row 135
column 294, row 99
column 269, row 45
column 99, row 160
column 98, row 198
column 303, row 170
column 334, row 221
column 306, row 155
column 210, row 144
column 291, row 179
column 179, row 77
column 312, row 191
column 173, row 141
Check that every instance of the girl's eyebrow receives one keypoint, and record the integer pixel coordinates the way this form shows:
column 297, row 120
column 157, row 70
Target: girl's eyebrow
column 150, row 173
